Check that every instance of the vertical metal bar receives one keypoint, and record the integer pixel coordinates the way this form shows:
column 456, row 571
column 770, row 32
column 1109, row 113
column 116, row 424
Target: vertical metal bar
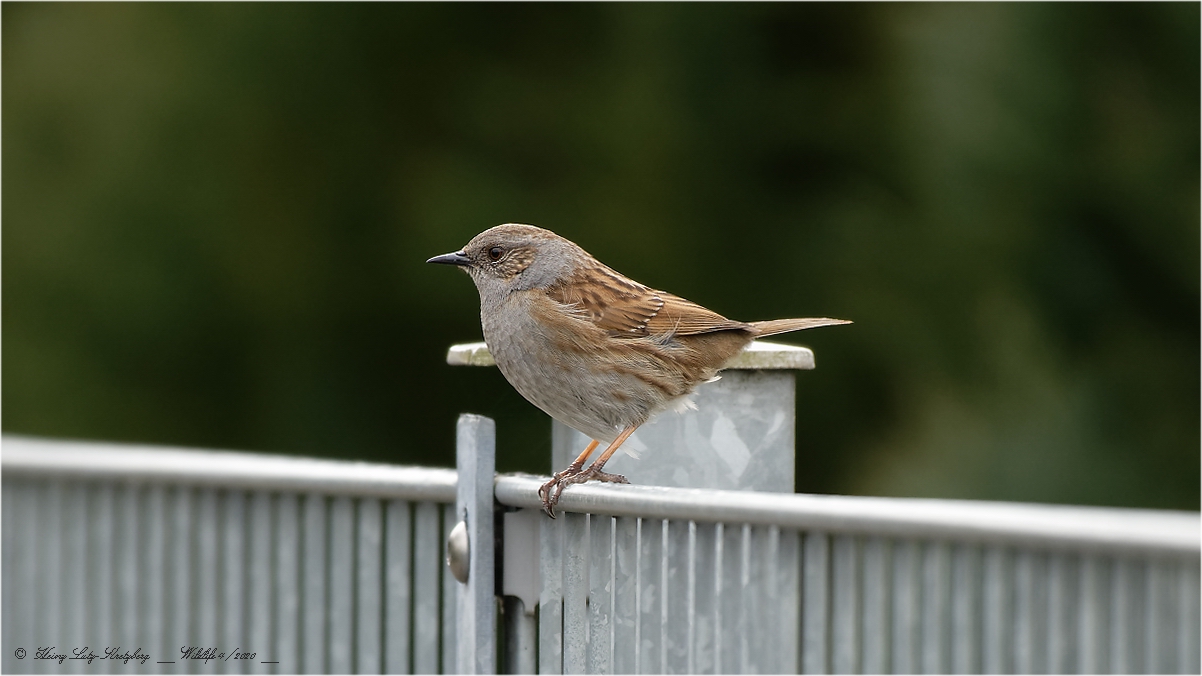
column 1159, row 617
column 996, row 648
column 691, row 600
column 260, row 615
column 729, row 623
column 1024, row 612
column 1189, row 623
column 626, row 610
column 48, row 539
column 765, row 656
column 11, row 513
column 1122, row 610
column 966, row 609
column 1060, row 602
column 650, row 627
column 788, row 594
column 875, row 622
column 705, row 600
column 340, row 623
column 1137, row 624
column 427, row 562
column 153, row 585
column 23, row 592
column 1090, row 617
column 550, row 600
column 675, row 579
column 748, row 613
column 475, row 458
column 936, row 630
column 600, row 601
column 314, row 589
column 575, row 592
column 399, row 594
column 1039, row 615
column 130, row 570
column 368, row 591
column 74, row 582
column 816, row 603
column 451, row 596
column 286, row 650
column 233, row 605
column 181, row 555
column 207, row 565
column 102, row 535
column 906, row 607
column 845, row 605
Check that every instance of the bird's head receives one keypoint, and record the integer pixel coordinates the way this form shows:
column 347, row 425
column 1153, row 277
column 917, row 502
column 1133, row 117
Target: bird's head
column 514, row 257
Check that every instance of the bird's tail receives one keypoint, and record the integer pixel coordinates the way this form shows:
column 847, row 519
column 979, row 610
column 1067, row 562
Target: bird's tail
column 775, row 326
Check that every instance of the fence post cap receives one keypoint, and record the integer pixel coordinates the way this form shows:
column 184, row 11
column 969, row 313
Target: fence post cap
column 759, row 355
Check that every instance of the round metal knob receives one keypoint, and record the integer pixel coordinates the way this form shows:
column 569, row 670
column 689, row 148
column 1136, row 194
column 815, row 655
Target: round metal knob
column 458, row 550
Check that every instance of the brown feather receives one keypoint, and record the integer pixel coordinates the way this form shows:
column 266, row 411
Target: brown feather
column 623, row 307
column 775, row 326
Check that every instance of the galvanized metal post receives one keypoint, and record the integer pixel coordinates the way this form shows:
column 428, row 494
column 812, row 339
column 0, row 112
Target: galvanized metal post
column 739, row 436
column 475, row 457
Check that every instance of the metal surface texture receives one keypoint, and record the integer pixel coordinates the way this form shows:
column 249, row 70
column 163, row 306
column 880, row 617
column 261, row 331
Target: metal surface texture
column 1016, row 524
column 88, row 460
column 739, row 435
column 631, row 595
column 476, row 631
column 629, row 579
column 309, row 581
column 643, row 579
column 735, row 433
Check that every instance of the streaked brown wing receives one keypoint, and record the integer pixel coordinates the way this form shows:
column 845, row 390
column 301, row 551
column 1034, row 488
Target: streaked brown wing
column 624, row 307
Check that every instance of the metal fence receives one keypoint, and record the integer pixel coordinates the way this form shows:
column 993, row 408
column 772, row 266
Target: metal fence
column 280, row 565
column 646, row 580
column 327, row 566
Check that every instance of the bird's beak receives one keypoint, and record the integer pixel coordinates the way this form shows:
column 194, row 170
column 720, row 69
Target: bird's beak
column 457, row 258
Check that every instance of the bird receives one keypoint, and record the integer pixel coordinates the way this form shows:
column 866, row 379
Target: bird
column 591, row 347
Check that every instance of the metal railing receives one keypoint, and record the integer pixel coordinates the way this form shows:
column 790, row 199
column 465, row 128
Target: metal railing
column 278, row 564
column 316, row 566
column 661, row 580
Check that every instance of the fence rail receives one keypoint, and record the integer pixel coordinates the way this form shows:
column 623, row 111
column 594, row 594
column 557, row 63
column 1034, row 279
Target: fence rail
column 129, row 463
column 1051, row 526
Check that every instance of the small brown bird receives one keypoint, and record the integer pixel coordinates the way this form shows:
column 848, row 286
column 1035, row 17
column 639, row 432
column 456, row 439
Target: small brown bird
column 593, row 349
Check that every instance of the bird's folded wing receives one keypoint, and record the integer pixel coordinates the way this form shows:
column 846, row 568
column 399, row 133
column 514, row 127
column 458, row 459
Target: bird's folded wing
column 624, row 307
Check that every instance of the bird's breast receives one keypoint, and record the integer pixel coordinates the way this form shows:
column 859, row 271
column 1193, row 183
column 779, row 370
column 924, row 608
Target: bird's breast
column 573, row 370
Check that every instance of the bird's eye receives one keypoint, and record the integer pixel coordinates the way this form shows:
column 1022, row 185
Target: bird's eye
column 495, row 253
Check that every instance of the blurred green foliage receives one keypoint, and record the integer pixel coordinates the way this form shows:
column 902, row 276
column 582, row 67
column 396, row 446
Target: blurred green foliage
column 216, row 216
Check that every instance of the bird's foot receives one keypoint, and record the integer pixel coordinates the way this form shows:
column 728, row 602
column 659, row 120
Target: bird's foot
column 549, row 492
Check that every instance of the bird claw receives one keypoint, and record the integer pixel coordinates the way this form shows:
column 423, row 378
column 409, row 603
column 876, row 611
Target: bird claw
column 550, row 491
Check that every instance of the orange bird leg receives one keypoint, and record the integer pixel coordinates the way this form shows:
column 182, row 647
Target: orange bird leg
column 554, row 487
column 604, row 458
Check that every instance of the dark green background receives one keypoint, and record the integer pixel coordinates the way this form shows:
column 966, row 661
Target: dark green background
column 215, row 219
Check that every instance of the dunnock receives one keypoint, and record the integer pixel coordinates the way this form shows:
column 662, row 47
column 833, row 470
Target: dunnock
column 590, row 347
